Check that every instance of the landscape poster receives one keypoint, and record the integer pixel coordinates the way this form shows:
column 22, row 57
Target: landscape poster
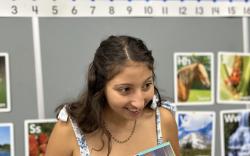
column 193, row 78
column 37, row 134
column 233, row 78
column 4, row 83
column 235, row 132
column 196, row 131
column 6, row 139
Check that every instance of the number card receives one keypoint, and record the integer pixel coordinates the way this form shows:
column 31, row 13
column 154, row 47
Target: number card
column 6, row 139
column 196, row 132
column 233, row 78
column 193, row 78
column 235, row 132
column 4, row 83
column 37, row 134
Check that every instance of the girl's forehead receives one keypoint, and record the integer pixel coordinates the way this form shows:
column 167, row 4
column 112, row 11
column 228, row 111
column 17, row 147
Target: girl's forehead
column 133, row 72
column 129, row 63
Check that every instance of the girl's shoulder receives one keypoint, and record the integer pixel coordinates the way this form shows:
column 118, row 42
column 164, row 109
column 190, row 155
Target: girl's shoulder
column 61, row 140
column 168, row 123
column 169, row 106
column 63, row 125
column 167, row 113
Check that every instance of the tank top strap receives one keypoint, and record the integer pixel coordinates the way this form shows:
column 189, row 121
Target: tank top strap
column 170, row 106
column 63, row 116
column 166, row 105
column 158, row 127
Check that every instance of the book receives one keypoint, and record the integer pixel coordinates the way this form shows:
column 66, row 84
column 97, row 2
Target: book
column 164, row 149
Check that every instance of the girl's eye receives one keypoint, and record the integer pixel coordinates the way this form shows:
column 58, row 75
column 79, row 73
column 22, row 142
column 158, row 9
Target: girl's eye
column 124, row 90
column 147, row 86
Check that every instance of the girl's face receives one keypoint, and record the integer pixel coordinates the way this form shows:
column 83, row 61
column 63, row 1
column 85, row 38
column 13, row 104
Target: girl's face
column 129, row 91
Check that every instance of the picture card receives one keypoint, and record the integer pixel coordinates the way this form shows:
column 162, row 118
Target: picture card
column 235, row 132
column 37, row 133
column 233, row 81
column 196, row 132
column 6, row 139
column 4, row 83
column 193, row 78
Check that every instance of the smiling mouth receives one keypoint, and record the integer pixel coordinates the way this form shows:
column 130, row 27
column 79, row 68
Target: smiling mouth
column 133, row 110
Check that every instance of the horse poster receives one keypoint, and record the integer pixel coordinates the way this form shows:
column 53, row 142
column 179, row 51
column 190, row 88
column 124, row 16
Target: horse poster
column 235, row 132
column 193, row 76
column 233, row 78
column 196, row 132
column 37, row 134
column 6, row 139
column 4, row 83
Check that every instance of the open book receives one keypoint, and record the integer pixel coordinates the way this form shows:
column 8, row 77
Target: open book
column 164, row 149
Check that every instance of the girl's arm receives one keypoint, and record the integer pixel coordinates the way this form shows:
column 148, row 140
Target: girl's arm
column 169, row 129
column 62, row 140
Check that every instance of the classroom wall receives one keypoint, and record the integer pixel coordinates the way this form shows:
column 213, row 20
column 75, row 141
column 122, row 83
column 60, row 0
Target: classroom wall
column 68, row 46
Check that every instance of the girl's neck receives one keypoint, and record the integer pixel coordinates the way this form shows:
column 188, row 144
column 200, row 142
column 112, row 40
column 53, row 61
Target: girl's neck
column 114, row 119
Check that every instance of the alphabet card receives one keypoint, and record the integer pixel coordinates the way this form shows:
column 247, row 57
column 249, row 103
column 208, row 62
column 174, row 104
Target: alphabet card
column 233, row 82
column 196, row 132
column 235, row 132
column 193, row 78
column 4, row 83
column 37, row 134
column 6, row 139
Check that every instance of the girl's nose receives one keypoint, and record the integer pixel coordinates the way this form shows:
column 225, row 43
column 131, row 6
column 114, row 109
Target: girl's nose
column 138, row 100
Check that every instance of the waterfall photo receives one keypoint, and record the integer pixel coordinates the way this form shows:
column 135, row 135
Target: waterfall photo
column 196, row 131
column 235, row 132
column 193, row 76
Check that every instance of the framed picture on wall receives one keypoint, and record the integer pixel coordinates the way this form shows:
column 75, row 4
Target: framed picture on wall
column 4, row 83
column 233, row 81
column 6, row 139
column 37, row 134
column 193, row 78
column 196, row 132
column 235, row 132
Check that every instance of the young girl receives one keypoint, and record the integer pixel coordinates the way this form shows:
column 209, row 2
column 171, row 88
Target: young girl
column 120, row 113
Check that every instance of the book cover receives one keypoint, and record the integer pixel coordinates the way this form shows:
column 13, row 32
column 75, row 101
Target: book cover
column 164, row 149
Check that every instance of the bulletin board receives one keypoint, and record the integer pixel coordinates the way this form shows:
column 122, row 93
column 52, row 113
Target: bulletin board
column 49, row 44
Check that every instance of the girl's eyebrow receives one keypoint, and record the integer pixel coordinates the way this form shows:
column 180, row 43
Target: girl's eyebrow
column 150, row 77
column 128, row 84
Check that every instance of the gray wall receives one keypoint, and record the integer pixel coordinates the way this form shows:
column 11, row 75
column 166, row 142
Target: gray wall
column 68, row 45
column 16, row 39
